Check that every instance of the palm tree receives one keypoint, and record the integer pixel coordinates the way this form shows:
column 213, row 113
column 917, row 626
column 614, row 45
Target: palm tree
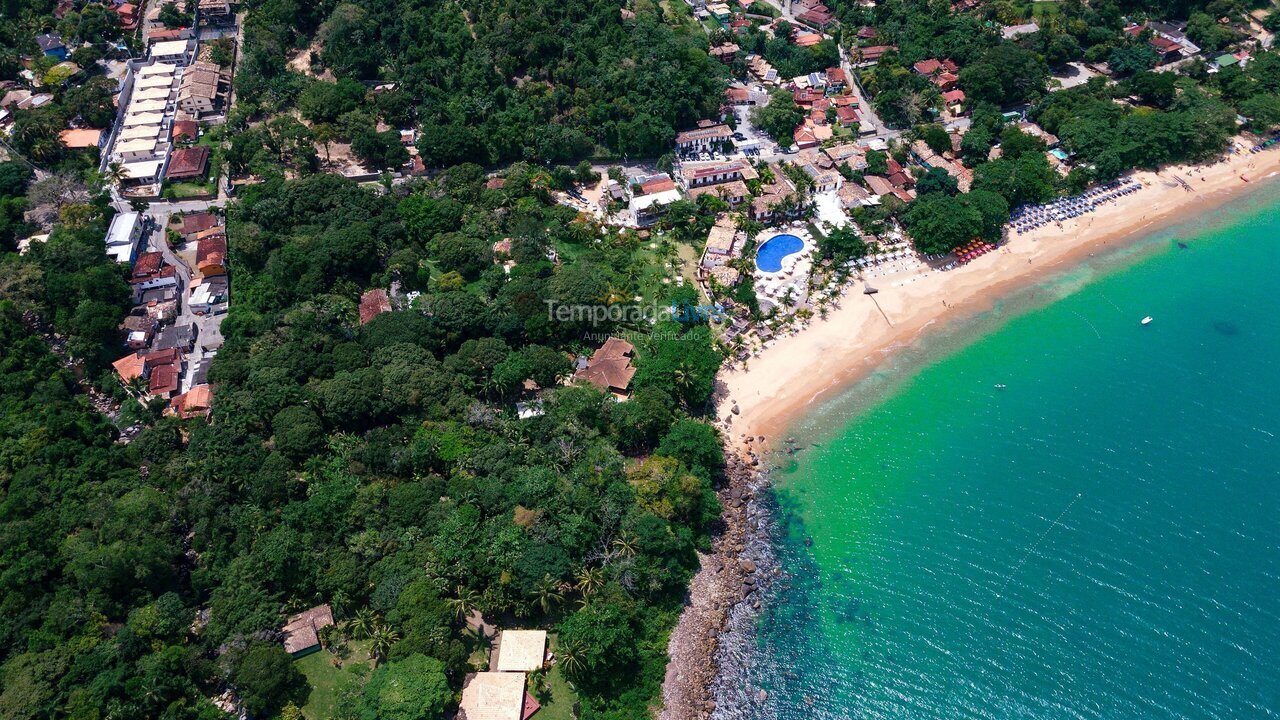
column 383, row 639
column 114, row 174
column 548, row 594
column 625, row 544
column 361, row 626
column 589, row 580
column 463, row 601
column 570, row 656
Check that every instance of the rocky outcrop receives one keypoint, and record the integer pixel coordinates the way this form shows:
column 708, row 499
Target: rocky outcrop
column 728, row 577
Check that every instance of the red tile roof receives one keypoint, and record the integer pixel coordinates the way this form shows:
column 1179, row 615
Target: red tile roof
column 657, row 186
column 189, row 129
column 198, row 222
column 164, row 380
column 874, row 52
column 373, row 303
column 187, row 162
column 211, row 252
column 148, row 263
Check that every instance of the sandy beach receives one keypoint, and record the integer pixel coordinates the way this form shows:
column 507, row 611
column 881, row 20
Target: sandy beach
column 796, row 371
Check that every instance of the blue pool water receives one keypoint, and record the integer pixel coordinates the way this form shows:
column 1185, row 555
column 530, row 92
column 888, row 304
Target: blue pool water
column 769, row 256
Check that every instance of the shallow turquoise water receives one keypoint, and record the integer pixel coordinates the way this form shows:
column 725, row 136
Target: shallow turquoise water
column 1099, row 539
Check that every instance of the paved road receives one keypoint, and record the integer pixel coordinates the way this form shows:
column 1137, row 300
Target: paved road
column 865, row 109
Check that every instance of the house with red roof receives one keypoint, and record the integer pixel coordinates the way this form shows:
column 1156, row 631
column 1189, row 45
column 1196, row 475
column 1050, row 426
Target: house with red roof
column 373, row 303
column 186, row 163
column 211, row 252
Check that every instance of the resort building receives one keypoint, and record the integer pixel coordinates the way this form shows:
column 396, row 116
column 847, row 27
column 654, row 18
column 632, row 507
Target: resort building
column 703, row 138
column 694, row 175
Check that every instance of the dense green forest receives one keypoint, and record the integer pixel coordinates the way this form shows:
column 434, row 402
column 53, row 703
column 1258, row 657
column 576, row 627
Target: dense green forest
column 376, row 467
column 494, row 81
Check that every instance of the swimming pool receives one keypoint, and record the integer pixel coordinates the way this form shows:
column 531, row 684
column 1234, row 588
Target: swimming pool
column 769, row 256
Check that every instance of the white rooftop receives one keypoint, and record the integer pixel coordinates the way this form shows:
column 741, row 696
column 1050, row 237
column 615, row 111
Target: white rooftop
column 521, row 650
column 147, row 106
column 142, row 170
column 158, row 69
column 153, row 81
column 139, row 131
column 121, row 230
column 169, row 47
column 666, row 197
column 136, row 145
column 492, row 696
column 157, row 92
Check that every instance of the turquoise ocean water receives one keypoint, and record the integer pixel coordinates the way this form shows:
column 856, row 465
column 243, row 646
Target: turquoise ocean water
column 1098, row 539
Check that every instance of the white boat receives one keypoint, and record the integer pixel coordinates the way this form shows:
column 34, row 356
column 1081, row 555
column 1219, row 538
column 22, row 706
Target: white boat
column 1146, row 320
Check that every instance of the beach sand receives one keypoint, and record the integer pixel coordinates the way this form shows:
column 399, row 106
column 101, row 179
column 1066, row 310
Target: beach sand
column 797, row 371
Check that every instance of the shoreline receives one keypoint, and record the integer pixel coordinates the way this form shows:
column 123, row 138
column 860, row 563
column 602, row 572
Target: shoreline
column 759, row 402
column 809, row 366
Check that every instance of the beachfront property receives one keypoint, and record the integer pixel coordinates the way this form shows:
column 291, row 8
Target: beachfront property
column 783, row 264
column 724, row 245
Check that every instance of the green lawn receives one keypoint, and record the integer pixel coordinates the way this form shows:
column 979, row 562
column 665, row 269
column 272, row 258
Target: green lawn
column 1044, row 9
column 192, row 189
column 328, row 682
column 558, row 701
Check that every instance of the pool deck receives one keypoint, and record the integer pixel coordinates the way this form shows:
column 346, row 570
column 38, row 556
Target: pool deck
column 793, row 276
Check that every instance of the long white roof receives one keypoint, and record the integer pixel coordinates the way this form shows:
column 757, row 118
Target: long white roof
column 139, row 131
column 121, row 230
column 154, row 81
column 147, row 106
column 159, row 92
column 169, row 47
column 132, row 120
column 142, row 169
column 138, row 145
column 157, row 69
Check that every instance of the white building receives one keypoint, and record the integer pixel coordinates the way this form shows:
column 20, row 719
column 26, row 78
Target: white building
column 123, row 237
column 177, row 52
